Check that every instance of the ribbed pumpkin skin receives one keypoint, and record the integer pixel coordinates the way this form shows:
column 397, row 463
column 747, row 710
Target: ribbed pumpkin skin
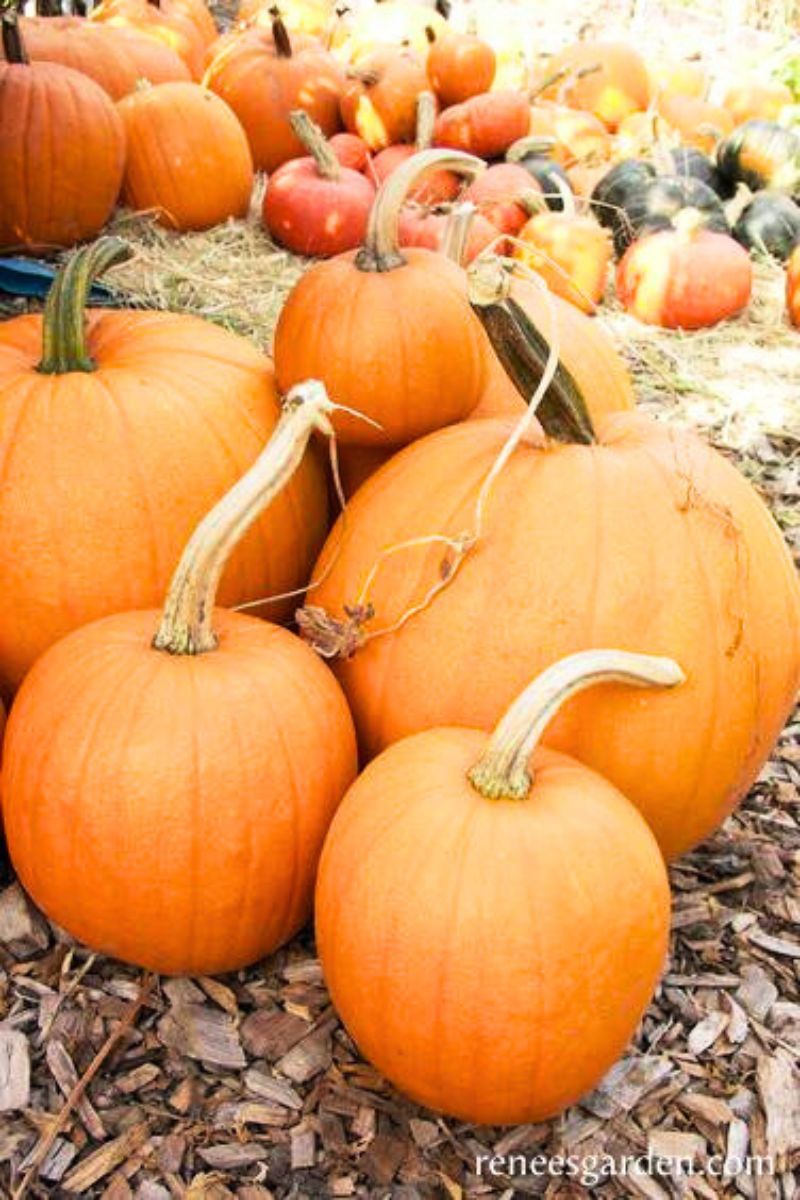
column 649, row 540
column 62, row 153
column 106, row 474
column 188, row 157
column 492, row 958
column 376, row 338
column 262, row 89
column 169, row 810
column 114, row 57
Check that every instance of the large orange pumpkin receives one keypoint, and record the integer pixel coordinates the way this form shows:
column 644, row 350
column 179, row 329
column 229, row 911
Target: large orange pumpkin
column 113, row 442
column 483, row 951
column 63, row 151
column 635, row 534
column 609, row 79
column 264, row 75
column 168, row 784
column 114, row 56
column 188, row 157
column 390, row 334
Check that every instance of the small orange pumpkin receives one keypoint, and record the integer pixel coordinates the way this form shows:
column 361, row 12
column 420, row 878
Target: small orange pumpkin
column 379, row 97
column 609, row 79
column 188, row 158
column 459, row 66
column 172, row 22
column 679, row 77
column 433, row 189
column 793, row 287
column 699, row 123
column 484, row 125
column 479, row 827
column 750, row 101
column 571, row 252
column 174, row 813
column 577, row 136
column 503, row 194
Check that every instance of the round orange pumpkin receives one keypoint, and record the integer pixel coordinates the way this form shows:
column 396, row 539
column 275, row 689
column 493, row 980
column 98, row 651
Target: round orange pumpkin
column 154, row 416
column 633, row 534
column 114, row 56
column 572, row 253
column 609, row 79
column 699, row 123
column 188, row 158
column 679, row 77
column 462, row 964
column 168, row 784
column 379, row 98
column 754, row 101
column 459, row 66
column 63, row 151
column 484, row 125
column 793, row 287
column 390, row 334
column 264, row 75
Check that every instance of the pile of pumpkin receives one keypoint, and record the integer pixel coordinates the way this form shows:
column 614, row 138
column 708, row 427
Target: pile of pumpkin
column 597, row 155
column 558, row 640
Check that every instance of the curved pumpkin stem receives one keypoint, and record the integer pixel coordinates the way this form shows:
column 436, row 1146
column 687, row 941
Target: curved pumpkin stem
column 502, row 772
column 381, row 250
column 186, row 623
column 426, row 120
column 523, row 352
column 13, row 45
column 317, row 145
column 64, row 347
column 456, row 231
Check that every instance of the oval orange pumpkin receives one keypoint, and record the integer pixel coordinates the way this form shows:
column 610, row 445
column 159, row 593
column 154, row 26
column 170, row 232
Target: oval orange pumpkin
column 609, row 79
column 188, row 159
column 485, row 125
column 444, row 871
column 636, row 535
column 155, row 415
column 168, row 784
column 63, row 151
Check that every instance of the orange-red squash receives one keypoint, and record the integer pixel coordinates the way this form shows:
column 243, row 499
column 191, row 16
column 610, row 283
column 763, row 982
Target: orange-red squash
column 485, row 125
column 455, row 860
column 168, row 783
column 154, row 416
column 459, row 66
column 379, row 97
column 793, row 287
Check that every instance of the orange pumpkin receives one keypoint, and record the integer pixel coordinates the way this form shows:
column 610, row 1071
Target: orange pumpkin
column 410, row 354
column 632, row 534
column 576, row 136
column 171, row 22
column 679, row 77
column 751, row 101
column 419, row 225
column 63, row 151
column 174, row 814
column 410, row 981
column 115, row 57
column 188, row 157
column 793, row 287
column 699, row 123
column 264, row 75
column 484, row 125
column 351, row 151
column 459, row 66
column 379, row 97
column 609, row 79
column 572, row 254
column 504, row 194
column 685, row 278
column 97, row 527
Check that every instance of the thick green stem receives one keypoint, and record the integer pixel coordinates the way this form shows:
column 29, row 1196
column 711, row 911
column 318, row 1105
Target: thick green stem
column 64, row 344
column 187, row 621
column 381, row 249
column 524, row 353
column 503, row 772
column 317, row 145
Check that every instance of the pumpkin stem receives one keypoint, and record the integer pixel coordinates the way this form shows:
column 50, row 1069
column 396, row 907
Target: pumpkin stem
column 13, row 45
column 317, row 145
column 502, row 772
column 381, row 250
column 64, row 346
column 426, row 120
column 524, row 353
column 456, row 231
column 539, row 145
column 280, row 34
column 186, row 623
column 430, row 34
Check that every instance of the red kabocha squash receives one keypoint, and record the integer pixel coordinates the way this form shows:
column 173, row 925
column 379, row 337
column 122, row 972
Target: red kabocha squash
column 63, row 151
column 216, row 745
column 314, row 205
column 409, row 981
column 572, row 253
column 685, row 278
column 169, row 22
column 503, row 194
column 98, row 527
column 570, row 538
column 609, row 79
column 114, row 57
column 379, row 97
column 459, row 66
column 264, row 75
column 755, row 101
column 351, row 151
column 699, row 123
column 410, row 354
column 484, row 125
column 793, row 287
column 188, row 158
column 436, row 188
